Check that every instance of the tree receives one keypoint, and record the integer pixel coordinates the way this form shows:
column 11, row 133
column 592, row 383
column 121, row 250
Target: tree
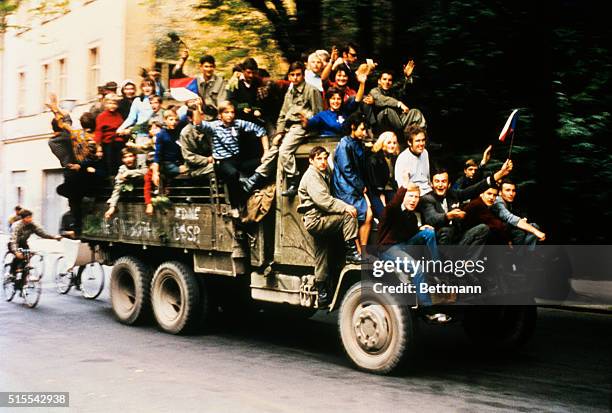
column 42, row 8
column 7, row 7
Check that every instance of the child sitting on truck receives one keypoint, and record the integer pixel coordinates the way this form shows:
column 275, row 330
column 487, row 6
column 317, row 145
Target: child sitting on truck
column 127, row 172
column 168, row 158
column 154, row 128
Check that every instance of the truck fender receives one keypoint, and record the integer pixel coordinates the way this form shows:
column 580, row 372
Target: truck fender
column 349, row 275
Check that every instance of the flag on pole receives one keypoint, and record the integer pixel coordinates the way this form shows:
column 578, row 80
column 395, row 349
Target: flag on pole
column 183, row 89
column 510, row 126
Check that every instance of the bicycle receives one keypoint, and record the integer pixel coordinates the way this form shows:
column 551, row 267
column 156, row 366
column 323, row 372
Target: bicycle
column 89, row 278
column 27, row 278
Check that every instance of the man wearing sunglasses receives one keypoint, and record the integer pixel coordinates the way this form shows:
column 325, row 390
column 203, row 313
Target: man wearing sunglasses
column 348, row 61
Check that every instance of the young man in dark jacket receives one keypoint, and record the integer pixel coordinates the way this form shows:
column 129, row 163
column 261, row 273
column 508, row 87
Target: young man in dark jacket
column 400, row 229
column 440, row 207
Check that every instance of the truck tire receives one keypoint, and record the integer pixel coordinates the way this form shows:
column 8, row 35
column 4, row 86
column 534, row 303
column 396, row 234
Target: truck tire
column 175, row 296
column 500, row 328
column 377, row 338
column 130, row 290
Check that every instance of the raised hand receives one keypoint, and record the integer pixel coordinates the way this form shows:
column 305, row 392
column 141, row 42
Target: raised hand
column 52, row 103
column 408, row 68
column 486, row 156
column 334, row 54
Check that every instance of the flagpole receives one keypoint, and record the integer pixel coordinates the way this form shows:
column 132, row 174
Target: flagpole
column 512, row 139
column 511, row 143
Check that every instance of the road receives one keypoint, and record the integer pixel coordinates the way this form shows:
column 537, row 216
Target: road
column 269, row 365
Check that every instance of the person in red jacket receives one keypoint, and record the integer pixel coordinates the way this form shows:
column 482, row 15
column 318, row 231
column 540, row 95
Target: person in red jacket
column 400, row 229
column 106, row 133
column 478, row 211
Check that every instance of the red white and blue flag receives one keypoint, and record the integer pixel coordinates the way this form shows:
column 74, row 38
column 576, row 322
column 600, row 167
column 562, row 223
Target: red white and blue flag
column 510, row 126
column 183, row 89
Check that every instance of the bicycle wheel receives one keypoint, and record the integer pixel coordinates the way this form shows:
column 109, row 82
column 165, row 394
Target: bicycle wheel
column 8, row 281
column 63, row 276
column 92, row 279
column 37, row 263
column 32, row 287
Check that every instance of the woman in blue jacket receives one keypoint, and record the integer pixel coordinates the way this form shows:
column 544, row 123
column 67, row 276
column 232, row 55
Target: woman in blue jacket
column 330, row 122
column 349, row 183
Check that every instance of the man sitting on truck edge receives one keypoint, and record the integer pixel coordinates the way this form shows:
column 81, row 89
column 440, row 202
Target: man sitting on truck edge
column 325, row 216
column 521, row 231
column 127, row 171
column 441, row 207
column 227, row 132
column 399, row 229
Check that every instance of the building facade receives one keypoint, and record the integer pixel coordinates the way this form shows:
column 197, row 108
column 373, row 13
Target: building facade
column 72, row 48
column 69, row 52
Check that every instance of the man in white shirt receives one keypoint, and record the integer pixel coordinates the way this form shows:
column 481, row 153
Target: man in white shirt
column 415, row 160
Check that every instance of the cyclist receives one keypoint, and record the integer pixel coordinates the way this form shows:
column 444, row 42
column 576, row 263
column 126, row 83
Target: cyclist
column 20, row 232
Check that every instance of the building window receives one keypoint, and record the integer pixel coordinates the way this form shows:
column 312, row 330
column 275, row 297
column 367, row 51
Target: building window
column 46, row 84
column 62, row 79
column 94, row 72
column 21, row 94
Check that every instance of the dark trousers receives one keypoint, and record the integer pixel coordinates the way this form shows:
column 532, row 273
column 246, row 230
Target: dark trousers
column 229, row 171
column 18, row 264
column 112, row 156
column 377, row 205
column 74, row 188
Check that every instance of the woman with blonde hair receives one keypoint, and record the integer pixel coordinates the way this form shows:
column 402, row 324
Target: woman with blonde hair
column 380, row 167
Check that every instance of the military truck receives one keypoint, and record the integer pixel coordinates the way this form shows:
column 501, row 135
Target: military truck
column 186, row 261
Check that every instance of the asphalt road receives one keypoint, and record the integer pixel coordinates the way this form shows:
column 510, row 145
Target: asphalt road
column 269, row 365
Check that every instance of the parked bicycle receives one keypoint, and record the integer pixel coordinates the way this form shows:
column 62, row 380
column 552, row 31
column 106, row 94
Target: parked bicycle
column 88, row 278
column 26, row 279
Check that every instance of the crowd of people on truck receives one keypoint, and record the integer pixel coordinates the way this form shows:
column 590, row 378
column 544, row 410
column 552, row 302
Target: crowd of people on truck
column 244, row 127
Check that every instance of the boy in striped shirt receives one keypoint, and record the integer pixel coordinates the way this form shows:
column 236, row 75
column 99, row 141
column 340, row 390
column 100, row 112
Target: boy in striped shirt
column 226, row 134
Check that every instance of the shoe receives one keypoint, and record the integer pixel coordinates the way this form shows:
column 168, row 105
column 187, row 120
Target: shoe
column 352, row 255
column 291, row 191
column 440, row 318
column 250, row 183
column 324, row 297
column 292, row 187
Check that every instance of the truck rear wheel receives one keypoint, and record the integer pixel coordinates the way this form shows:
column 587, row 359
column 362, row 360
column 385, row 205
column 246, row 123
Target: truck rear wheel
column 504, row 328
column 376, row 336
column 176, row 297
column 130, row 290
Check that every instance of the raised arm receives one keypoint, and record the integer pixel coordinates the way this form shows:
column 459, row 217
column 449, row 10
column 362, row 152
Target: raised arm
column 362, row 77
column 178, row 68
column 328, row 68
column 59, row 116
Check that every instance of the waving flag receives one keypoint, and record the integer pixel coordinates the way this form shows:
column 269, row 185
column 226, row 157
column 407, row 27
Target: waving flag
column 510, row 126
column 183, row 89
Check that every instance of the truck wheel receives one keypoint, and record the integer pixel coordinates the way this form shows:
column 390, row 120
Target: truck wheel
column 378, row 338
column 176, row 297
column 130, row 290
column 504, row 328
